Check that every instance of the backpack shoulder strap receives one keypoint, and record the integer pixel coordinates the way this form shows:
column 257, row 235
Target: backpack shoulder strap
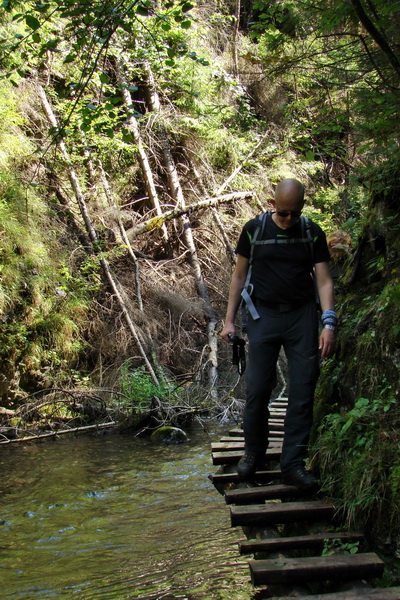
column 307, row 234
column 248, row 286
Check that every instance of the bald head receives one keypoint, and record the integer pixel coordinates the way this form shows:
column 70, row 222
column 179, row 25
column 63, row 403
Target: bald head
column 288, row 203
column 290, row 189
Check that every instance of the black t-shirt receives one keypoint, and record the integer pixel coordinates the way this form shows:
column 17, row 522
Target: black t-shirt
column 282, row 272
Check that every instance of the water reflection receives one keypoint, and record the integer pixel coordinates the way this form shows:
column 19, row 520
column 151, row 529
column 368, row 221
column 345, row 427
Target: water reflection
column 115, row 518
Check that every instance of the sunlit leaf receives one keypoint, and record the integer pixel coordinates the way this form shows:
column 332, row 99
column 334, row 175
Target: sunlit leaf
column 32, row 22
column 186, row 6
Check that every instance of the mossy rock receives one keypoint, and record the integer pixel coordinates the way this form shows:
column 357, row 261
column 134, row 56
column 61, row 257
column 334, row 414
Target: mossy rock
column 169, row 435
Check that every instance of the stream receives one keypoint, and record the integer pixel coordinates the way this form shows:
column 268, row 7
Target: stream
column 111, row 517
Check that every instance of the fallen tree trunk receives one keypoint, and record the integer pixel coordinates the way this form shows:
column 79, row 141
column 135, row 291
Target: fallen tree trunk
column 156, row 222
column 53, row 434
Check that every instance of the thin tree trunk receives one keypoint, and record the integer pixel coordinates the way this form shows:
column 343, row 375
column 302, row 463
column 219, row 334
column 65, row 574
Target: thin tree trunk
column 240, row 167
column 92, row 233
column 376, row 35
column 177, row 194
column 123, row 234
column 143, row 160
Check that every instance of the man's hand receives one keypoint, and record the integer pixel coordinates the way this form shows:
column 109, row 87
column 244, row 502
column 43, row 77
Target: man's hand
column 229, row 329
column 327, row 343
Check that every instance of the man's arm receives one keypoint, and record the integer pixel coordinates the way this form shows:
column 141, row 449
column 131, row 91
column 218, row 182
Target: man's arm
column 238, row 280
column 326, row 298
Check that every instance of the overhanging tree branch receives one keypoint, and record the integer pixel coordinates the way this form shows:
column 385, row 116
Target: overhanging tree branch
column 376, row 35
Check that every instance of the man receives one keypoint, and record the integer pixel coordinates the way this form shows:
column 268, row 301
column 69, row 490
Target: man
column 284, row 298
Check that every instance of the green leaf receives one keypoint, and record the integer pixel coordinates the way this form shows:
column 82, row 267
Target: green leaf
column 310, row 156
column 104, row 78
column 186, row 6
column 186, row 24
column 346, row 426
column 170, row 63
column 32, row 22
column 69, row 58
column 142, row 10
column 166, row 26
column 127, row 137
column 362, row 402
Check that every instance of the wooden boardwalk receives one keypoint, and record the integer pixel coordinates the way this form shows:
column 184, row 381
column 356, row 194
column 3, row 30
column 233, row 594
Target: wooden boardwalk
column 287, row 530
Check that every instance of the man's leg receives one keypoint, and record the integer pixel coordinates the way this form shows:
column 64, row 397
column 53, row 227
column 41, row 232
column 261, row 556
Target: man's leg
column 264, row 345
column 301, row 348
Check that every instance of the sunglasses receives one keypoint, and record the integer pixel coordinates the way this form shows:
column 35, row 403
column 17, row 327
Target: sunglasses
column 289, row 213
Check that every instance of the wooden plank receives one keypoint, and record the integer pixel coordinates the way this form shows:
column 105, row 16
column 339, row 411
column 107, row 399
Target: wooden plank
column 277, row 426
column 320, row 568
column 235, row 432
column 298, row 542
column 273, row 442
column 275, row 513
column 261, row 476
column 231, row 458
column 260, row 493
column 231, row 446
column 239, row 433
column 362, row 593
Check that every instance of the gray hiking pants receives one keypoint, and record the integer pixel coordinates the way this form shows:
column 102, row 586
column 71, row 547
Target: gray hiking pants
column 297, row 332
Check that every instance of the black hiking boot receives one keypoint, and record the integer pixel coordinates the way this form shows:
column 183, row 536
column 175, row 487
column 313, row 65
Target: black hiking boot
column 249, row 463
column 300, row 478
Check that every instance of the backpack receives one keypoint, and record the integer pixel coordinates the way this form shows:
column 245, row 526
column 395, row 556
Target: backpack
column 247, row 290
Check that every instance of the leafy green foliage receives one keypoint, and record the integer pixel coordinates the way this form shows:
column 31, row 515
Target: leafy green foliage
column 139, row 389
column 337, row 546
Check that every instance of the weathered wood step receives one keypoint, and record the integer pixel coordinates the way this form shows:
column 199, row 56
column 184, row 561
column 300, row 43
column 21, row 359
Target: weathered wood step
column 273, row 442
column 298, row 542
column 321, row 568
column 239, row 433
column 232, row 446
column 260, row 493
column 230, row 458
column 278, row 402
column 362, row 593
column 261, row 476
column 275, row 513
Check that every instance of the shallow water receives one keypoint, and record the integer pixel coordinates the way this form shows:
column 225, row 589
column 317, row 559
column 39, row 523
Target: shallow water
column 115, row 518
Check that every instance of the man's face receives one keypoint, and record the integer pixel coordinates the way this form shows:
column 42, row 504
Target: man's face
column 288, row 209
